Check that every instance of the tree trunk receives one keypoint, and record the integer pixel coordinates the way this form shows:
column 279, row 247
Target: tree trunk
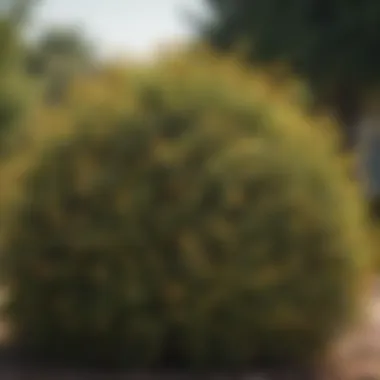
column 348, row 112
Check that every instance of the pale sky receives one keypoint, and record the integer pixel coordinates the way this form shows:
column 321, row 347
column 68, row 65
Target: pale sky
column 117, row 26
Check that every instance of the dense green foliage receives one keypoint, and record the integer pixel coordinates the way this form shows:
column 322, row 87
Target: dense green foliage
column 186, row 212
column 331, row 42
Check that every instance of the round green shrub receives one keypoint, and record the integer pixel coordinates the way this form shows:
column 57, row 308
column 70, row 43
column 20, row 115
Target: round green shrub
column 186, row 212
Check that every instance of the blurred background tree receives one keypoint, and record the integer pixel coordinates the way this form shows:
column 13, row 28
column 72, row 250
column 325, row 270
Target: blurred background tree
column 56, row 57
column 332, row 43
column 15, row 90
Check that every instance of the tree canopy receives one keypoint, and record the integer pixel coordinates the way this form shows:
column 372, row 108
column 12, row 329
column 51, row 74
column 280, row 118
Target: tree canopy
column 333, row 43
column 58, row 55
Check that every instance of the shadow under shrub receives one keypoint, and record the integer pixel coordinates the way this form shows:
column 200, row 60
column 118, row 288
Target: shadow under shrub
column 186, row 213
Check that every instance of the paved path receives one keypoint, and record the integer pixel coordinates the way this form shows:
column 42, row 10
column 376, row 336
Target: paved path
column 357, row 355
